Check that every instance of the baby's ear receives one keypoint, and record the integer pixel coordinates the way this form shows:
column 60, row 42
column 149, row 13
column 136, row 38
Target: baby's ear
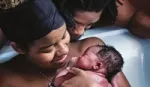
column 99, row 65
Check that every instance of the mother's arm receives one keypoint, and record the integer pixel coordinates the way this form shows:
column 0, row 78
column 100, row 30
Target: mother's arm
column 120, row 80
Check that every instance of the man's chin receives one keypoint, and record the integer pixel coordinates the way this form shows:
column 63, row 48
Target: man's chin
column 74, row 39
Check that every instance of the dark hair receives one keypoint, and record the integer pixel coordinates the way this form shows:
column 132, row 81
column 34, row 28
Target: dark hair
column 30, row 21
column 112, row 60
column 110, row 11
column 69, row 7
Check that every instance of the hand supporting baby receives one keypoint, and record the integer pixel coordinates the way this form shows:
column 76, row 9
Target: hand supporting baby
column 65, row 74
column 80, row 79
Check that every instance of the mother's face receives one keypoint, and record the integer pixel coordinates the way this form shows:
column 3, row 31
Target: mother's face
column 51, row 51
column 83, row 20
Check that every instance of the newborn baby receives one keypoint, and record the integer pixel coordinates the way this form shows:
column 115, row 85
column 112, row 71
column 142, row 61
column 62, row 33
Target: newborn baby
column 100, row 62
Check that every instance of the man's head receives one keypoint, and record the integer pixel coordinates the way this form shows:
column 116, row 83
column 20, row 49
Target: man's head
column 100, row 57
column 80, row 14
column 37, row 31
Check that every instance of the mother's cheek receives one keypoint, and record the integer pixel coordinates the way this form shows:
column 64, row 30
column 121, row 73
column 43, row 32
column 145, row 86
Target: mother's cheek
column 42, row 58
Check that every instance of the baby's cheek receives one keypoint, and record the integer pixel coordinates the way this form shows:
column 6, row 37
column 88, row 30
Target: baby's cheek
column 83, row 64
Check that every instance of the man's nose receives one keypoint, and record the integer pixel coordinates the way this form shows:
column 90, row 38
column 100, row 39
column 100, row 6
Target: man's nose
column 80, row 30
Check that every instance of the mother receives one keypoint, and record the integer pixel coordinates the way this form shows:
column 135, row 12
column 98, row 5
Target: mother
column 38, row 33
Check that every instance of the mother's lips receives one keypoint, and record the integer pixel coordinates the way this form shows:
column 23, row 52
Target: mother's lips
column 60, row 59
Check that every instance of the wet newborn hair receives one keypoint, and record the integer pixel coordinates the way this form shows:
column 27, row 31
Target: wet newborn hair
column 111, row 58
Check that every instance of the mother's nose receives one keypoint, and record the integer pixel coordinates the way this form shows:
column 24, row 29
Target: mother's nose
column 62, row 49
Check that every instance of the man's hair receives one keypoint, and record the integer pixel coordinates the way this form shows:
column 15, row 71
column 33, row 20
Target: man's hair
column 68, row 7
column 112, row 60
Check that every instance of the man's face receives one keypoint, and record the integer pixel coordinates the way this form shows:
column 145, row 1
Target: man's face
column 83, row 20
column 89, row 60
column 51, row 51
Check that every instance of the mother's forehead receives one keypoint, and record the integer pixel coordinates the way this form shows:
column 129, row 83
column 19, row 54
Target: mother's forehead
column 53, row 37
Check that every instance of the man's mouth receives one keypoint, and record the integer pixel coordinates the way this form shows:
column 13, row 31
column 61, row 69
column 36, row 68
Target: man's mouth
column 76, row 36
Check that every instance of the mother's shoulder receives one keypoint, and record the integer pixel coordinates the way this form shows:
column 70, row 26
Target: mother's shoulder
column 92, row 41
column 78, row 48
column 88, row 42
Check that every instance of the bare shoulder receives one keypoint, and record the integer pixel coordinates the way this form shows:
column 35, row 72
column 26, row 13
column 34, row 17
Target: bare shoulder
column 77, row 48
column 88, row 42
column 91, row 42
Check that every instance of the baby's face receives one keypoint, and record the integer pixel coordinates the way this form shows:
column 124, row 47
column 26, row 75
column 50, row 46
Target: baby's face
column 89, row 60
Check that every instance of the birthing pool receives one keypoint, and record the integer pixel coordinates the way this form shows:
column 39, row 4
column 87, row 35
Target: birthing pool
column 135, row 51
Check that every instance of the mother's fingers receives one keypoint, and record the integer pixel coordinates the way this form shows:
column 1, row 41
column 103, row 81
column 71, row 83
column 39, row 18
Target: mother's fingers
column 77, row 71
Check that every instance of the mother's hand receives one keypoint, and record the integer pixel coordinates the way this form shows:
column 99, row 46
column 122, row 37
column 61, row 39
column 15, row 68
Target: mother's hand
column 81, row 79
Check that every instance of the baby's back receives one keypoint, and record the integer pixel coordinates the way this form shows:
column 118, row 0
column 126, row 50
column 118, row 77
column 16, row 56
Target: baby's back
column 97, row 77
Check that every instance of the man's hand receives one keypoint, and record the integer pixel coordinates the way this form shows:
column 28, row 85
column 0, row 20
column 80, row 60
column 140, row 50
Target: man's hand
column 81, row 79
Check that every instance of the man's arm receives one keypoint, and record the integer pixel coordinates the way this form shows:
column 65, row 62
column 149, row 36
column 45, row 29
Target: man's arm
column 140, row 25
column 134, row 15
column 2, row 39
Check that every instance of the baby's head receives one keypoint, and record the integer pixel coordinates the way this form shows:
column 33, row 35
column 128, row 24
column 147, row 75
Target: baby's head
column 101, row 57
